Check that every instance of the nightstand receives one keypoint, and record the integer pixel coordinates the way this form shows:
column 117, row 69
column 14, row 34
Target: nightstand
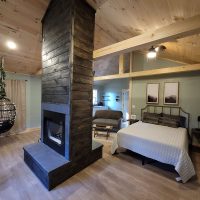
column 195, row 137
column 132, row 121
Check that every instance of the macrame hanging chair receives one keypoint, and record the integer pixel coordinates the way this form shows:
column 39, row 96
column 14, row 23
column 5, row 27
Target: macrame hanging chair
column 7, row 108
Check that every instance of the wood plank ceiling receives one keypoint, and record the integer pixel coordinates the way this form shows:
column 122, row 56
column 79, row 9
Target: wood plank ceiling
column 116, row 20
column 20, row 22
column 125, row 19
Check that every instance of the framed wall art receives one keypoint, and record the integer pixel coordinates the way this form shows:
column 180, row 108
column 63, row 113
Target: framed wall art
column 152, row 93
column 171, row 93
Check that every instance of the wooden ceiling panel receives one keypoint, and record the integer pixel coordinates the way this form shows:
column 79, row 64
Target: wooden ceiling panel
column 116, row 20
column 185, row 49
column 133, row 17
column 20, row 21
column 129, row 18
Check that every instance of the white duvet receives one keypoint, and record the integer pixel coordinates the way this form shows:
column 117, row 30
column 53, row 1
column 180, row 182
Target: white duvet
column 161, row 143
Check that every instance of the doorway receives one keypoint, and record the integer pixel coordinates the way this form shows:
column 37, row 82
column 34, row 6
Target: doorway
column 125, row 103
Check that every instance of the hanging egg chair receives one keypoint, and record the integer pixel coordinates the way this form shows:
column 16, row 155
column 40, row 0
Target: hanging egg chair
column 7, row 108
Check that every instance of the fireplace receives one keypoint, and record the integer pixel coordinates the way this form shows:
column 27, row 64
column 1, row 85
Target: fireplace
column 66, row 145
column 54, row 131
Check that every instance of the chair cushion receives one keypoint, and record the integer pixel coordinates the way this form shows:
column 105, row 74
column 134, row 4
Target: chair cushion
column 106, row 122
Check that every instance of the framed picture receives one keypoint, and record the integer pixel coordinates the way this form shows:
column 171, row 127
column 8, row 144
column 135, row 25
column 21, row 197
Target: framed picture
column 171, row 93
column 152, row 93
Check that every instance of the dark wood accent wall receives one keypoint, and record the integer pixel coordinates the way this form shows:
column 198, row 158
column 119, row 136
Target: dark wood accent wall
column 56, row 51
column 68, row 38
column 82, row 81
column 68, row 32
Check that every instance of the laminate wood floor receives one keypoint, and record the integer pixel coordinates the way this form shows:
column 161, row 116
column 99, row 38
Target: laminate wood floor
column 120, row 177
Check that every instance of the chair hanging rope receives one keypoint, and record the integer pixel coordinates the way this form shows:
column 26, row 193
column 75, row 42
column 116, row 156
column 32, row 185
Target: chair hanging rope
column 7, row 108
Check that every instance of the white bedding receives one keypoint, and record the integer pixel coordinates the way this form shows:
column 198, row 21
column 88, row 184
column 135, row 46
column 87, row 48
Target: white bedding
column 165, row 144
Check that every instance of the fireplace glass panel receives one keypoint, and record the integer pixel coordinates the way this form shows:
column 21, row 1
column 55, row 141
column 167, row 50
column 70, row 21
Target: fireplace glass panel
column 55, row 131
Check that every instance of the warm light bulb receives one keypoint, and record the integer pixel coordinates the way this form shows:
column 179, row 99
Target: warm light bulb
column 151, row 54
column 157, row 49
column 11, row 45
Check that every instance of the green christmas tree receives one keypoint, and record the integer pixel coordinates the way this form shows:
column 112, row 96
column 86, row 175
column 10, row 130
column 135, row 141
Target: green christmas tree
column 2, row 79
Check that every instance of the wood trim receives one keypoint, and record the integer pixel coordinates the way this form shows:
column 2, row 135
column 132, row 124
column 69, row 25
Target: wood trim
column 173, row 31
column 131, row 61
column 110, row 77
column 130, row 102
column 130, row 86
column 121, row 64
column 153, row 72
column 167, row 70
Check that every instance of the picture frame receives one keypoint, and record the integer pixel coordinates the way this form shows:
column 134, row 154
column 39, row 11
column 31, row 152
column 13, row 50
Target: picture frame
column 171, row 93
column 152, row 93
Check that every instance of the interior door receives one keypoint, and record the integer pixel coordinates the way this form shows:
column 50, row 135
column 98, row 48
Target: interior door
column 125, row 103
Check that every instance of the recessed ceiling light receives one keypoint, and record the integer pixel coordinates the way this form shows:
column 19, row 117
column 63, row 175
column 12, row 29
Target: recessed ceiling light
column 11, row 45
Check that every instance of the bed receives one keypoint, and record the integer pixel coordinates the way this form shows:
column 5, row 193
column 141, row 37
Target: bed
column 159, row 142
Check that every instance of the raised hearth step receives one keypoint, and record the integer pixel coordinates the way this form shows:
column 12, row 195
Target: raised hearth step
column 52, row 168
column 96, row 145
column 46, row 163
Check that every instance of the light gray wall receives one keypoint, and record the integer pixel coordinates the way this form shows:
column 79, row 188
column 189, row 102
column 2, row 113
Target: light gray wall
column 140, row 62
column 111, row 89
column 35, row 102
column 189, row 87
column 106, row 66
column 33, row 98
column 99, row 89
column 189, row 93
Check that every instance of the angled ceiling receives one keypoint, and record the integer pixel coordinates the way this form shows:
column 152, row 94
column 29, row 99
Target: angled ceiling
column 20, row 22
column 116, row 20
column 128, row 18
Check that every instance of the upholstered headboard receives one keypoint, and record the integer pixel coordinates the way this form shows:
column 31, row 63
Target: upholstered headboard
column 165, row 115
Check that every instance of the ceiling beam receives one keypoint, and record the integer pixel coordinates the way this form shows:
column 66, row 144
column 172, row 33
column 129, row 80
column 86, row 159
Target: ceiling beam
column 153, row 72
column 173, row 31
